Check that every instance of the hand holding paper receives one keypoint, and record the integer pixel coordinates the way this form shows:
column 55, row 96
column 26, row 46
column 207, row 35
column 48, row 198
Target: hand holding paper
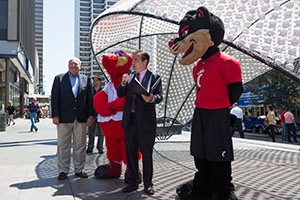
column 149, row 98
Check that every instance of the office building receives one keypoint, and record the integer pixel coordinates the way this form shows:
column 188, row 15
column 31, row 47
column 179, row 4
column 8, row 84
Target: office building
column 39, row 44
column 85, row 12
column 18, row 60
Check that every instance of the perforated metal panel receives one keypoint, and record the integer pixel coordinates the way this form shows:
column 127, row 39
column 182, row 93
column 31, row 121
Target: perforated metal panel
column 261, row 34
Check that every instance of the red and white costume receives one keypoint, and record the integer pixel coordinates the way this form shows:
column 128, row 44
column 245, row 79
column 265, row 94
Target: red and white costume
column 110, row 111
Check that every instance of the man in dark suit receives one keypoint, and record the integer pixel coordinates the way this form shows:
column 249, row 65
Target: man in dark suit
column 139, row 121
column 72, row 112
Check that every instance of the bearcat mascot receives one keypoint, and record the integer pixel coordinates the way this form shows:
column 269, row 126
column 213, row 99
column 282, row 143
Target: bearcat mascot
column 110, row 111
column 218, row 82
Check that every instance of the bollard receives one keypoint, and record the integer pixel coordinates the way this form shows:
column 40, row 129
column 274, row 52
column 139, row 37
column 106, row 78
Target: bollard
column 2, row 121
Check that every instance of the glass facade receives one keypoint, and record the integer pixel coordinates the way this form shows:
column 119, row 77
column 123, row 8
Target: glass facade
column 14, row 87
column 3, row 19
column 2, row 83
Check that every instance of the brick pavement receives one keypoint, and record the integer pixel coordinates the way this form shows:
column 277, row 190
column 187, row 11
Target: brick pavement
column 261, row 170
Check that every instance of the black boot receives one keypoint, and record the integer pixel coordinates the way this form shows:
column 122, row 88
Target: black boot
column 226, row 195
column 185, row 191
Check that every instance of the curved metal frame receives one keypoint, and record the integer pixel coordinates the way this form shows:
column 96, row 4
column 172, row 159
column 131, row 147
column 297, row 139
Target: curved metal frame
column 256, row 55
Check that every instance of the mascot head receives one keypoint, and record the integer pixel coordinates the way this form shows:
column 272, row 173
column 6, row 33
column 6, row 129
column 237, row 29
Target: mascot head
column 116, row 64
column 200, row 34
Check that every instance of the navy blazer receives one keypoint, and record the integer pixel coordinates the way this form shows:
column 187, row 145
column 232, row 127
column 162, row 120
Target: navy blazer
column 68, row 107
column 145, row 112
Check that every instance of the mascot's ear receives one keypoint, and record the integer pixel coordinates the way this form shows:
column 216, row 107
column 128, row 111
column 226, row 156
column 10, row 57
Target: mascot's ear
column 213, row 23
column 202, row 12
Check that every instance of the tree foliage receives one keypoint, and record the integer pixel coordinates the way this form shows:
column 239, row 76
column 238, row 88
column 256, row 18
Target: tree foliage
column 279, row 90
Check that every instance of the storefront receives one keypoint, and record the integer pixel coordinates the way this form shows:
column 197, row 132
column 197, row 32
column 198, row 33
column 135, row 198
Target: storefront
column 16, row 77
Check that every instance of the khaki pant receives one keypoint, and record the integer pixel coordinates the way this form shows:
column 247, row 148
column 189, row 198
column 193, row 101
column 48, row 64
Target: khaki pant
column 65, row 133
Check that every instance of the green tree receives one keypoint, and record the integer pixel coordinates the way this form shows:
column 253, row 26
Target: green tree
column 279, row 90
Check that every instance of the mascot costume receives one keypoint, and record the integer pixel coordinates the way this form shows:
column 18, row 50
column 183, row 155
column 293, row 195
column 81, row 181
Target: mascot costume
column 110, row 111
column 218, row 82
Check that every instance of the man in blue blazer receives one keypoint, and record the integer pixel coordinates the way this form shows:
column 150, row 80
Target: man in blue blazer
column 72, row 112
column 139, row 121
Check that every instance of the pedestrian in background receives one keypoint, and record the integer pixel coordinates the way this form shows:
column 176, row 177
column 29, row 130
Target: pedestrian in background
column 10, row 112
column 72, row 112
column 290, row 125
column 271, row 122
column 283, row 125
column 238, row 124
column 95, row 127
column 33, row 108
column 38, row 113
column 139, row 121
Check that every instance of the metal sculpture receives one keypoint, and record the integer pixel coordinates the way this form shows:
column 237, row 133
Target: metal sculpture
column 261, row 34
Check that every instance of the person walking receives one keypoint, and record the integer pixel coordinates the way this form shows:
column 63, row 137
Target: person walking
column 238, row 124
column 33, row 108
column 10, row 111
column 95, row 127
column 283, row 125
column 271, row 122
column 72, row 112
column 139, row 121
column 290, row 125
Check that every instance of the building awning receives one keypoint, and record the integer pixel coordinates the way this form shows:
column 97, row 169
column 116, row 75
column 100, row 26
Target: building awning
column 12, row 50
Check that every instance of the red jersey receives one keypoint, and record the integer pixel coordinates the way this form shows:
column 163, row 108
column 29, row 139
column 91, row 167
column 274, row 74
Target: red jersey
column 212, row 78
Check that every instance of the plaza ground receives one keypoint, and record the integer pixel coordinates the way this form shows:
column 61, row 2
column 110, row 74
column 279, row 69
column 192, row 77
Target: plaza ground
column 28, row 171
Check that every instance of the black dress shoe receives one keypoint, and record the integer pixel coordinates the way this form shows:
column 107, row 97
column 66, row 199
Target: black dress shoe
column 101, row 151
column 62, row 176
column 149, row 190
column 89, row 151
column 81, row 174
column 130, row 188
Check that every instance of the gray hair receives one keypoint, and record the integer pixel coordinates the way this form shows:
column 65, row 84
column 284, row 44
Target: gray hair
column 75, row 59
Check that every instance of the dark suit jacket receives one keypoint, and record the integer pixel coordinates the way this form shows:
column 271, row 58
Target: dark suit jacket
column 63, row 103
column 144, row 112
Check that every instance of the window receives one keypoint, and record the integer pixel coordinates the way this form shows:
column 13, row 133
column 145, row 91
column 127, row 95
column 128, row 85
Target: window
column 84, row 24
column 85, row 14
column 98, row 1
column 84, row 9
column 84, row 34
column 84, row 29
column 85, row 4
column 3, row 19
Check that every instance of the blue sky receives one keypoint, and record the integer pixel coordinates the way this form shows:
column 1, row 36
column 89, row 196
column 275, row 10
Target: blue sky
column 58, row 38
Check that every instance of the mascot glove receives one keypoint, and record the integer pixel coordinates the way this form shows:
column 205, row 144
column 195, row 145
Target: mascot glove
column 117, row 105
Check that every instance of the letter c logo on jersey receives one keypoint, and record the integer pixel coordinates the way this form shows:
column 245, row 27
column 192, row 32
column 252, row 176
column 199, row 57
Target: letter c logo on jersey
column 200, row 73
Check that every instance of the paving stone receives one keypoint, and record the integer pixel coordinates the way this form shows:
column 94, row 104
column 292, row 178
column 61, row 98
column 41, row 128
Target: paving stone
column 261, row 170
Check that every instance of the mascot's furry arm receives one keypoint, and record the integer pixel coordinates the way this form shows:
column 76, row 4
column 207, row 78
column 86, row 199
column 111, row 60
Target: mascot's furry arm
column 106, row 109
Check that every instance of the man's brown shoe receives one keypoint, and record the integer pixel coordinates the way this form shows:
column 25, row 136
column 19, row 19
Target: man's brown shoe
column 62, row 176
column 149, row 190
column 130, row 188
column 81, row 174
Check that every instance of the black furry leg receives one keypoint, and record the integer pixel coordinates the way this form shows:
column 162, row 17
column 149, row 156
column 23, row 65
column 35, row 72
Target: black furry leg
column 185, row 191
